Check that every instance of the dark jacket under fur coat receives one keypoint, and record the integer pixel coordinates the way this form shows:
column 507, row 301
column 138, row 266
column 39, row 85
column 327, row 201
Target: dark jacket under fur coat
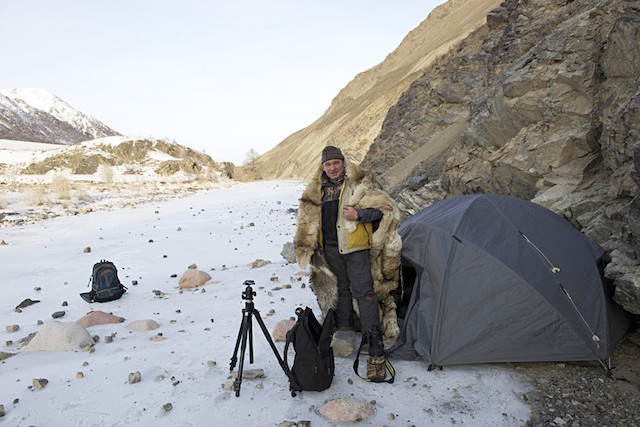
column 384, row 253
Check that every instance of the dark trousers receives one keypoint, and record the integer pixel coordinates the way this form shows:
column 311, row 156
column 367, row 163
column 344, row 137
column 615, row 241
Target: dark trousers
column 353, row 269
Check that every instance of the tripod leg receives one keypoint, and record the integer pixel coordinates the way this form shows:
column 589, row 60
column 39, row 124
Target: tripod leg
column 283, row 365
column 234, row 358
column 238, row 382
column 250, row 327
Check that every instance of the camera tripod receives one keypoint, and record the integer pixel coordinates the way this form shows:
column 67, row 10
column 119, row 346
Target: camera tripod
column 246, row 334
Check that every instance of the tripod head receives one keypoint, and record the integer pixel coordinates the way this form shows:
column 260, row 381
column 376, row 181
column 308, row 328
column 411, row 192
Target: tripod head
column 248, row 293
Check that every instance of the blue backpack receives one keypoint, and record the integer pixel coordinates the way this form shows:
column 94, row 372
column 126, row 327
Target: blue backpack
column 105, row 284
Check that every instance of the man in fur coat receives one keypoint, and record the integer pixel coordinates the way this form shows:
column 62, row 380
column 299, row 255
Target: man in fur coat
column 347, row 229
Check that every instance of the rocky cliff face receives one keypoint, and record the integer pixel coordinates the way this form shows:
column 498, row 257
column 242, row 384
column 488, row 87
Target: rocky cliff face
column 543, row 103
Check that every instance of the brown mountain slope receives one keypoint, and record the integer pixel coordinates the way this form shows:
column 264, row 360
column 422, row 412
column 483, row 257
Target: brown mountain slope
column 355, row 116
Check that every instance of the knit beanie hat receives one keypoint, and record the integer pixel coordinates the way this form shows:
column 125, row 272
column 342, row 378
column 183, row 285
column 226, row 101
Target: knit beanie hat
column 330, row 152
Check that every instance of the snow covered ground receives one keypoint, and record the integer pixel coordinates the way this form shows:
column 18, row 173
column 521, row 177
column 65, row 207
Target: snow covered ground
column 185, row 362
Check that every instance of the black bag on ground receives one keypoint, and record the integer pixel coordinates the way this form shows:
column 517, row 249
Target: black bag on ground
column 105, row 284
column 313, row 364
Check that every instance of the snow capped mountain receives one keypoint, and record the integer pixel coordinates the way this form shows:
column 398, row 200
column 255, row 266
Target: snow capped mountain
column 39, row 116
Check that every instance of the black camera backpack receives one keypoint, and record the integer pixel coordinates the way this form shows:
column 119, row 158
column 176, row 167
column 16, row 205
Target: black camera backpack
column 313, row 364
column 105, row 284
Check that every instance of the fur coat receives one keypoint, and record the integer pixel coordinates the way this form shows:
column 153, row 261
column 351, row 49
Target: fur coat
column 384, row 253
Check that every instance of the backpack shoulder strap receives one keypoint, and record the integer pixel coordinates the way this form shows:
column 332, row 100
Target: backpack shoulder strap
column 291, row 338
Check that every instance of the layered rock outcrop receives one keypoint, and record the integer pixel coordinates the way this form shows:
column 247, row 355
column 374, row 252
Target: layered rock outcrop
column 543, row 103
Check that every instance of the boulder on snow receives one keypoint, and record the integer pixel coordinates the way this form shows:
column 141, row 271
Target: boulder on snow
column 193, row 278
column 347, row 410
column 98, row 318
column 60, row 336
column 281, row 328
column 143, row 325
column 289, row 252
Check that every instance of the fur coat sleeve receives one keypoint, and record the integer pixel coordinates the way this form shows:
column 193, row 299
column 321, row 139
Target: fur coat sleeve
column 384, row 253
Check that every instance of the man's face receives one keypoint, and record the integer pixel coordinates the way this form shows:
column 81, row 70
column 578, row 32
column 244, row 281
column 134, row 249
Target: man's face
column 333, row 168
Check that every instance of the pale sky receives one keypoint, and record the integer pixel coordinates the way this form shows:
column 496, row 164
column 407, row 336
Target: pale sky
column 219, row 76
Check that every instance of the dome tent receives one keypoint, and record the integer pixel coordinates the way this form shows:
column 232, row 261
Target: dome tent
column 499, row 279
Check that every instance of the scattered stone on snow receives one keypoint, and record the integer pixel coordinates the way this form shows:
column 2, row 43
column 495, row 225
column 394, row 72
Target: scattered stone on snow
column 143, row 325
column 135, row 377
column 79, row 375
column 4, row 355
column 98, row 318
column 87, row 249
column 346, row 410
column 2, row 412
column 302, row 423
column 289, row 252
column 260, row 263
column 193, row 266
column 157, row 338
column 40, row 383
column 167, row 407
column 281, row 328
column 193, row 278
column 58, row 314
column 26, row 303
column 342, row 347
column 249, row 374
column 26, row 340
column 12, row 328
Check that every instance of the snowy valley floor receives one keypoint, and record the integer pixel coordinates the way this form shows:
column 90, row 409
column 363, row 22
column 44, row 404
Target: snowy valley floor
column 185, row 362
column 223, row 232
